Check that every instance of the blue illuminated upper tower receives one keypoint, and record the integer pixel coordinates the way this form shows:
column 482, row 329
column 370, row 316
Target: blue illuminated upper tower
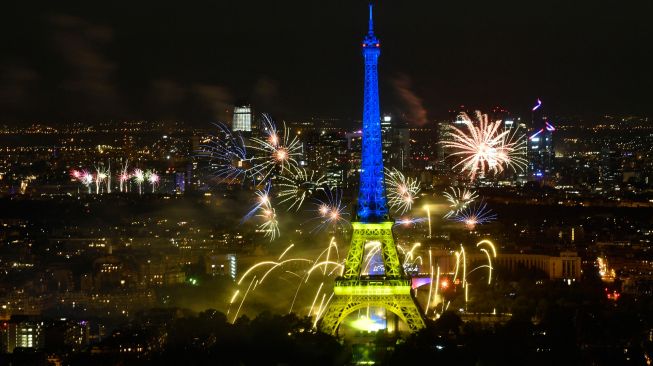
column 360, row 286
column 372, row 205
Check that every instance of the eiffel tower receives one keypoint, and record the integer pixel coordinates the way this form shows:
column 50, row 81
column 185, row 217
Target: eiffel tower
column 390, row 289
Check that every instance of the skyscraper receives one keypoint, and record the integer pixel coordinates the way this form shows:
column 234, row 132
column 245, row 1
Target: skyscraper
column 242, row 118
column 540, row 146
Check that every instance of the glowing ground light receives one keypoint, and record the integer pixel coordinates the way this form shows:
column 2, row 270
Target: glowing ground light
column 444, row 284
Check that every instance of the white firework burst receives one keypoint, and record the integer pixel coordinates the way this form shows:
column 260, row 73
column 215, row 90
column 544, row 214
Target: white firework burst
column 296, row 184
column 458, row 199
column 402, row 190
column 278, row 150
column 226, row 151
column 485, row 147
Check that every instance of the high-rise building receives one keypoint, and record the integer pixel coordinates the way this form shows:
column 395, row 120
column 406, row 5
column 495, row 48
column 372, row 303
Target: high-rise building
column 242, row 118
column 396, row 142
column 540, row 146
column 23, row 333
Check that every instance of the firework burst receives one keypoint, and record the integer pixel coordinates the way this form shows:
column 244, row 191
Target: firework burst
column 475, row 214
column 410, row 221
column 139, row 177
column 402, row 190
column 485, row 147
column 123, row 178
column 270, row 225
column 296, row 184
column 153, row 179
column 227, row 151
column 102, row 175
column 84, row 177
column 330, row 212
column 458, row 199
column 264, row 209
column 278, row 150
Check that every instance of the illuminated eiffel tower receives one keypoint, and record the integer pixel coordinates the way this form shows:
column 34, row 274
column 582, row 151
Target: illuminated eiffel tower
column 390, row 289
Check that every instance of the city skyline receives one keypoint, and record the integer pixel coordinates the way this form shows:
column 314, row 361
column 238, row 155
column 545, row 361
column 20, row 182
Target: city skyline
column 90, row 64
column 187, row 207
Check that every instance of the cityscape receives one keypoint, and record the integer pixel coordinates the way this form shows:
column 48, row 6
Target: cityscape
column 338, row 215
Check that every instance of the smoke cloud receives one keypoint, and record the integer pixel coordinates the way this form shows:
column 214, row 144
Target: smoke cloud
column 413, row 106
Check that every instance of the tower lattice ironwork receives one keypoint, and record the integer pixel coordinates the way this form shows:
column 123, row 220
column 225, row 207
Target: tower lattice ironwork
column 391, row 289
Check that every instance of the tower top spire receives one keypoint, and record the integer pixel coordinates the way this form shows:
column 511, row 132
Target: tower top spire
column 370, row 40
column 371, row 22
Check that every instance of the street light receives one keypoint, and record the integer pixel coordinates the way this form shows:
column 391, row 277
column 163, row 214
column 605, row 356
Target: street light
column 428, row 214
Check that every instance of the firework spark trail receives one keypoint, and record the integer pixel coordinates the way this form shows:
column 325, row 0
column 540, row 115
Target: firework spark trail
column 153, row 179
column 123, row 177
column 328, row 258
column 485, row 148
column 513, row 149
column 489, row 244
column 275, row 266
column 270, row 225
column 139, row 177
column 285, row 251
column 437, row 286
column 317, row 293
column 84, row 177
column 277, row 151
column 489, row 260
column 322, row 310
column 233, row 298
column 262, row 200
column 243, row 300
column 371, row 255
column 227, row 151
column 108, row 178
column 475, row 214
column 402, row 190
column 459, row 199
column 330, row 212
column 100, row 176
column 464, row 258
column 428, row 303
column 412, row 221
column 296, row 184
column 320, row 264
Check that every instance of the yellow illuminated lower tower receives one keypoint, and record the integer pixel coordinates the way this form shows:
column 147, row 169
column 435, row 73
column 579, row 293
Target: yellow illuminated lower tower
column 389, row 287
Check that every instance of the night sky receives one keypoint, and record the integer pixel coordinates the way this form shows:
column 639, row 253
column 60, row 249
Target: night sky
column 113, row 60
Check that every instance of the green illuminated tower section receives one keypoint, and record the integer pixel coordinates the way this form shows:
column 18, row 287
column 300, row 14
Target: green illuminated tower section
column 360, row 287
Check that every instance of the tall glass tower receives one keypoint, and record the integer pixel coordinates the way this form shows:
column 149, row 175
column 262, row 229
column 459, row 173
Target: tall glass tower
column 242, row 118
